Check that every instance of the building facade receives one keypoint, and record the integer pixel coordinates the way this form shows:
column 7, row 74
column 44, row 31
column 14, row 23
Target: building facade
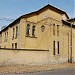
column 45, row 29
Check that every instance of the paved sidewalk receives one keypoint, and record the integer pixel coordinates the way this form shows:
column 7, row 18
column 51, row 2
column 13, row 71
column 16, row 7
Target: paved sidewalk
column 35, row 68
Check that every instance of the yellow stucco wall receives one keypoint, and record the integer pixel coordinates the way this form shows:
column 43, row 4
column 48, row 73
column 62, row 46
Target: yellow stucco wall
column 8, row 57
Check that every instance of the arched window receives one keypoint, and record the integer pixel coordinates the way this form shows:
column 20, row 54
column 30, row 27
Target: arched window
column 28, row 30
column 33, row 30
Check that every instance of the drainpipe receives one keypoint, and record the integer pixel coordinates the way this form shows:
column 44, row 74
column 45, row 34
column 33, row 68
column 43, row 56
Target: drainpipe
column 71, row 46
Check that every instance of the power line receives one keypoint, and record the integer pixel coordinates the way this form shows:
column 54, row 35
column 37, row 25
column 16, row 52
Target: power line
column 6, row 19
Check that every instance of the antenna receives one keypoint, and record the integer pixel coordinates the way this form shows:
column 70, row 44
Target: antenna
column 48, row 1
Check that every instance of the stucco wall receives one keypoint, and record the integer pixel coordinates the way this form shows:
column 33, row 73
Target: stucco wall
column 31, row 57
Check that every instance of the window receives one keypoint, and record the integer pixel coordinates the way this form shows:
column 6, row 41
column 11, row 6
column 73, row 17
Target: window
column 15, row 45
column 1, row 38
column 42, row 28
column 13, row 33
column 4, row 46
column 33, row 30
column 53, row 29
column 12, row 45
column 5, row 38
column 53, row 47
column 28, row 30
column 16, row 31
column 57, row 30
column 7, row 34
column 58, row 46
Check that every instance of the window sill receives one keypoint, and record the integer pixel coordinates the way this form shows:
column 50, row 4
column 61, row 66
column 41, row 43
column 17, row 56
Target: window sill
column 15, row 37
column 12, row 38
column 56, row 55
column 31, row 36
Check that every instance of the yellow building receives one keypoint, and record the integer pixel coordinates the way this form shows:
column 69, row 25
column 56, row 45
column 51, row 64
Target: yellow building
column 45, row 29
column 72, row 25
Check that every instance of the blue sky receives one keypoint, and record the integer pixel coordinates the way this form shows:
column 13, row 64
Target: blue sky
column 15, row 8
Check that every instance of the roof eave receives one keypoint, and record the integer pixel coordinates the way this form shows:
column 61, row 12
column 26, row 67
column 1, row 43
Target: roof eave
column 68, row 24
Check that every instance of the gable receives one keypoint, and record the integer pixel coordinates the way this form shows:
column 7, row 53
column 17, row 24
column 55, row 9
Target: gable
column 47, row 11
column 35, row 16
column 64, row 17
